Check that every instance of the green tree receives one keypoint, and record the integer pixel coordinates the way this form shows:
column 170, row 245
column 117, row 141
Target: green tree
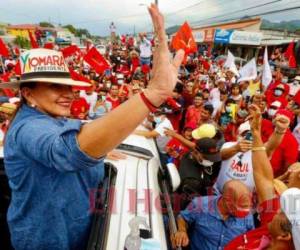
column 80, row 32
column 22, row 42
column 46, row 24
column 71, row 28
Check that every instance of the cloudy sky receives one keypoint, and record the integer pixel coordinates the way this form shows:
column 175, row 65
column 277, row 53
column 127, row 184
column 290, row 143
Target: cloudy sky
column 130, row 15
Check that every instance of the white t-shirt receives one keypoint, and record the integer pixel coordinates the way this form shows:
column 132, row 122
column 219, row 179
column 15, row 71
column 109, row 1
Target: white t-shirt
column 145, row 48
column 294, row 89
column 162, row 140
column 232, row 170
column 214, row 96
column 90, row 99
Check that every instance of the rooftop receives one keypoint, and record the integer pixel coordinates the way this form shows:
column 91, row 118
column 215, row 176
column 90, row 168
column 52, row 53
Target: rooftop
column 236, row 24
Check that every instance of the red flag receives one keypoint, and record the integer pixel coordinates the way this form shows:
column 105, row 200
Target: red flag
column 77, row 77
column 184, row 39
column 96, row 61
column 290, row 55
column 3, row 49
column 33, row 41
column 70, row 50
column 5, row 77
column 18, row 68
column 49, row 46
column 17, row 51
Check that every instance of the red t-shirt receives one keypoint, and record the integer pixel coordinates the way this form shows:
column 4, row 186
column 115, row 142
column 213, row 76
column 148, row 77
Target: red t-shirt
column 231, row 132
column 78, row 107
column 193, row 115
column 253, row 240
column 114, row 102
column 287, row 152
column 179, row 147
column 188, row 99
column 266, row 129
column 135, row 62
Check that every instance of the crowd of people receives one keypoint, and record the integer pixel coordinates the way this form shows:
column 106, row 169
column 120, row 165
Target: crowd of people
column 235, row 143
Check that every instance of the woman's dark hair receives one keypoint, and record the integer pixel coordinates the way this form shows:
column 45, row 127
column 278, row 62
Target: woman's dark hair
column 30, row 85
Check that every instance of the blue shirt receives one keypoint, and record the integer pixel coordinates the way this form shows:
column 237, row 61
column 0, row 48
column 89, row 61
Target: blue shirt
column 208, row 230
column 51, row 180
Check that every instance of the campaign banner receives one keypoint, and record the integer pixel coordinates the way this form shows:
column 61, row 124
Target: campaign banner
column 245, row 38
column 223, row 36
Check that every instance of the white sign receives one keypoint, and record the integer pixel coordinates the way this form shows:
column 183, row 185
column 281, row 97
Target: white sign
column 199, row 36
column 247, row 38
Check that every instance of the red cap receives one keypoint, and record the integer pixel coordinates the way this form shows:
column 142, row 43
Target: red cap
column 286, row 113
column 191, row 125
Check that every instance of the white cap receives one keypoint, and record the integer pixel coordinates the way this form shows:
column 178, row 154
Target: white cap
column 14, row 100
column 244, row 127
column 290, row 205
column 222, row 79
column 276, row 104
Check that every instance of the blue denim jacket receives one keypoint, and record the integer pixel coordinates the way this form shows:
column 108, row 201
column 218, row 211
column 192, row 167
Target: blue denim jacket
column 51, row 180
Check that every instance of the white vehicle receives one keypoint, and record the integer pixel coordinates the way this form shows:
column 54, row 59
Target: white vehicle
column 139, row 188
column 101, row 48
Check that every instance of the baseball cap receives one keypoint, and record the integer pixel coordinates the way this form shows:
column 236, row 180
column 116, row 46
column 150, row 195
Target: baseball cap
column 208, row 148
column 244, row 127
column 276, row 104
column 205, row 130
column 286, row 113
column 290, row 205
column 191, row 125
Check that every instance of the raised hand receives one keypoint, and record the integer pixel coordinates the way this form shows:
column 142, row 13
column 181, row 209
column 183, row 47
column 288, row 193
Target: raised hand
column 165, row 71
column 281, row 123
column 255, row 119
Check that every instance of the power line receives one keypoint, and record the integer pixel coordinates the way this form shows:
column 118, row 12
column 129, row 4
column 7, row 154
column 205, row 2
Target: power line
column 263, row 13
column 250, row 8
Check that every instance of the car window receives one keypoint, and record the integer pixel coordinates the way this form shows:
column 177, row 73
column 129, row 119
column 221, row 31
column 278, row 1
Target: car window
column 101, row 210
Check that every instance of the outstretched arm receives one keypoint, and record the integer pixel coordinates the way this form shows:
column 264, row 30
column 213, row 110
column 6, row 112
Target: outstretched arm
column 96, row 138
column 262, row 169
column 179, row 137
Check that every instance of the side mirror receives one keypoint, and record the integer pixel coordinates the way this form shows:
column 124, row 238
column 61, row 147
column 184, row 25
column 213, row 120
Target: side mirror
column 173, row 176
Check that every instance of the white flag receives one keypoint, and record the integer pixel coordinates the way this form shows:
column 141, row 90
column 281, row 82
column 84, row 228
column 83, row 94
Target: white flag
column 248, row 72
column 266, row 74
column 230, row 64
column 229, row 60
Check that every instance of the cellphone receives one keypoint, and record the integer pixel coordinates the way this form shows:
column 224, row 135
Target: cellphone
column 248, row 136
column 107, row 72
